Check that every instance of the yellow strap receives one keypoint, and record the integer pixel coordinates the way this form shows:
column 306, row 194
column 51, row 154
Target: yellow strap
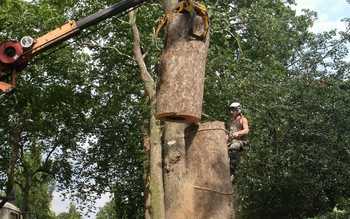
column 5, row 87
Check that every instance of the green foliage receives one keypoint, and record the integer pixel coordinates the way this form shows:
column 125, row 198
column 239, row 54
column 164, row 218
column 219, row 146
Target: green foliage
column 80, row 107
column 107, row 211
column 120, row 207
column 67, row 100
column 34, row 193
column 293, row 87
column 47, row 109
column 341, row 211
column 72, row 213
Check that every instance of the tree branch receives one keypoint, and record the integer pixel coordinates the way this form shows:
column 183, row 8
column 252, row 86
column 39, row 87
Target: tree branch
column 155, row 190
column 145, row 75
column 43, row 166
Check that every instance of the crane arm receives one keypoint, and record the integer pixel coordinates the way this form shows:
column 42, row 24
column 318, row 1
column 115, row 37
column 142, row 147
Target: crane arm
column 14, row 55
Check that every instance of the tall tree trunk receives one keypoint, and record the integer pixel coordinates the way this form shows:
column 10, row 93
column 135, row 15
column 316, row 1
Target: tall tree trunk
column 25, row 206
column 156, row 190
column 146, row 170
column 179, row 46
column 14, row 141
column 181, row 53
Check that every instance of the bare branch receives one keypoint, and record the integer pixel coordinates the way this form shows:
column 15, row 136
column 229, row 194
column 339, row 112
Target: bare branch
column 145, row 75
column 44, row 165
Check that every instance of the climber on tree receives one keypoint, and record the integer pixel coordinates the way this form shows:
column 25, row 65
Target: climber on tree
column 238, row 131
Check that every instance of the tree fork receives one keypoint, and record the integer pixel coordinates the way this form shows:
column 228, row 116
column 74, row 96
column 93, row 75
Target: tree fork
column 155, row 203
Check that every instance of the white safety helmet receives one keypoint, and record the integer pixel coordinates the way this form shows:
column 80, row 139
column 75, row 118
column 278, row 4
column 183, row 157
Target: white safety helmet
column 235, row 106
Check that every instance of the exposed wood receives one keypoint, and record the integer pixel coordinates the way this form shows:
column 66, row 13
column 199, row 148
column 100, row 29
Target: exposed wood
column 208, row 164
column 179, row 102
column 182, row 69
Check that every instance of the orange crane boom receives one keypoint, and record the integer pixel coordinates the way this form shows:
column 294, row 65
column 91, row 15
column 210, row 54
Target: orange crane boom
column 15, row 55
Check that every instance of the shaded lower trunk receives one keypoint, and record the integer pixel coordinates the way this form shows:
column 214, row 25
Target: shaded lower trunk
column 25, row 205
column 176, row 185
column 156, row 172
column 14, row 141
column 146, row 174
column 154, row 203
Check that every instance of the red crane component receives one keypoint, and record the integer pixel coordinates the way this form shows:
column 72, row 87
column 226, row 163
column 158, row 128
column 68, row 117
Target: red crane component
column 14, row 55
column 10, row 51
column 11, row 56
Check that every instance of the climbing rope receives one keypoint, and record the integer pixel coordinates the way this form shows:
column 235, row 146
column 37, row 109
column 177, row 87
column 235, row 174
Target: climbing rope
column 212, row 190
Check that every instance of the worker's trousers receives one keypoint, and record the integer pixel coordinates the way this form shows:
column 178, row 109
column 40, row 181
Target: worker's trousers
column 234, row 156
column 234, row 150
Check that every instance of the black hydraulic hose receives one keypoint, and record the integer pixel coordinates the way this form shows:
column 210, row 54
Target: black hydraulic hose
column 119, row 9
column 103, row 14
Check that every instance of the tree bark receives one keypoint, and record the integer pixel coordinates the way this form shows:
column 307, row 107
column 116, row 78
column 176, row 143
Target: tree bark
column 156, row 190
column 190, row 56
column 26, row 209
column 208, row 164
column 177, row 187
column 146, row 172
column 182, row 70
column 182, row 58
column 14, row 141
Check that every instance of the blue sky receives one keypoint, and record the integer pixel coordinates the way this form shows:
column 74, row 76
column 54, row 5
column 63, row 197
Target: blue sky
column 329, row 13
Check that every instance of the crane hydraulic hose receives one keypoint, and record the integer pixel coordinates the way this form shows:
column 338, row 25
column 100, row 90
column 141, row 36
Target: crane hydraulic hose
column 15, row 54
column 103, row 14
column 72, row 28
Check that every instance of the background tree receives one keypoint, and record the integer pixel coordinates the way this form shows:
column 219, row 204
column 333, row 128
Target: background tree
column 293, row 144
column 72, row 213
column 37, row 138
column 108, row 211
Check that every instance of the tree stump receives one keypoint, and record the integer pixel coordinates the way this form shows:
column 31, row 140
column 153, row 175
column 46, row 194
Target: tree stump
column 208, row 164
column 182, row 68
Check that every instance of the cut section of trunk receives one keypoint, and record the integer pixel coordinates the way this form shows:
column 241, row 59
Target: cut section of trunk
column 182, row 67
column 208, row 164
